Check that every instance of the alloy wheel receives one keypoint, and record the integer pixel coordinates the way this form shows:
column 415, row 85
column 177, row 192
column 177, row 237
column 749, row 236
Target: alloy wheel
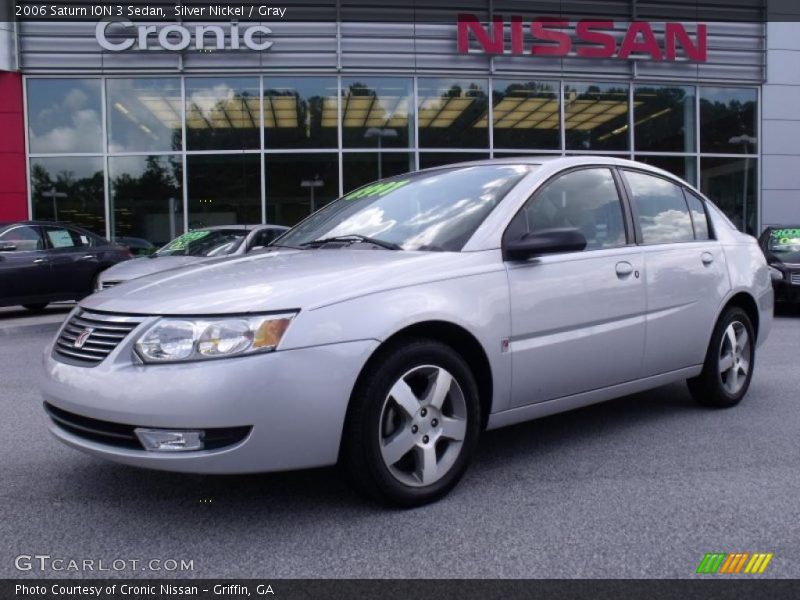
column 734, row 358
column 423, row 424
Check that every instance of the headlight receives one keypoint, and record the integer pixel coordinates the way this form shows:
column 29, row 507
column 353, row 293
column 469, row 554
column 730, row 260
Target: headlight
column 179, row 340
column 776, row 274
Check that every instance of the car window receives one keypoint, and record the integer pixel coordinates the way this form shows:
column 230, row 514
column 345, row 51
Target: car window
column 25, row 238
column 208, row 243
column 699, row 216
column 437, row 210
column 784, row 243
column 264, row 238
column 60, row 237
column 661, row 207
column 588, row 200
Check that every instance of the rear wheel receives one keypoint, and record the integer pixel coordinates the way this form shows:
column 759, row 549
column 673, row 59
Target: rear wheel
column 729, row 363
column 36, row 307
column 413, row 424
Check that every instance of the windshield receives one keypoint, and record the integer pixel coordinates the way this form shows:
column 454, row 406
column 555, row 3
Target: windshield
column 205, row 242
column 435, row 210
column 785, row 244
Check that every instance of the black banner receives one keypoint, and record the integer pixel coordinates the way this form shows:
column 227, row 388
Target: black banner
column 411, row 11
column 386, row 589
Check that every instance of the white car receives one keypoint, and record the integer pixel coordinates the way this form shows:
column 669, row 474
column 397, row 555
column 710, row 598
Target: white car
column 192, row 247
column 390, row 328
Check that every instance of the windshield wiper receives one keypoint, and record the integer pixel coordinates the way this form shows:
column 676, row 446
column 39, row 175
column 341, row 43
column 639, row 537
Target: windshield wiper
column 354, row 237
column 269, row 246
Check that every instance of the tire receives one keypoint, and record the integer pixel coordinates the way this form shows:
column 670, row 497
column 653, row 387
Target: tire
column 403, row 459
column 39, row 307
column 729, row 363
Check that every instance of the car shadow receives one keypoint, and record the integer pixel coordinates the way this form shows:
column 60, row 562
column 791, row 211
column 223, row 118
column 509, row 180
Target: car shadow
column 785, row 310
column 9, row 313
column 308, row 491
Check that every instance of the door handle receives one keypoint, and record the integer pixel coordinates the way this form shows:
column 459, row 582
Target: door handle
column 707, row 258
column 40, row 261
column 89, row 257
column 624, row 269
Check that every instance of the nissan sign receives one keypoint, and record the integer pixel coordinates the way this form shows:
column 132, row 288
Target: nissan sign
column 176, row 38
column 589, row 39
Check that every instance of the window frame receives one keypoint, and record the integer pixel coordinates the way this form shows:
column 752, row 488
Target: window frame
column 635, row 213
column 627, row 215
column 709, row 223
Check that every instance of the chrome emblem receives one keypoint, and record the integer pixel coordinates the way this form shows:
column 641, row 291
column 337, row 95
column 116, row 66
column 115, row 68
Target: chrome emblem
column 82, row 338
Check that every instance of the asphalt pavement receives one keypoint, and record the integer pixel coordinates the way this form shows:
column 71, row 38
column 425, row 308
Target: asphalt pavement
column 643, row 486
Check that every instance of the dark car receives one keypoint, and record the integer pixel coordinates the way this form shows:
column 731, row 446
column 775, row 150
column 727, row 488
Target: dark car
column 43, row 262
column 781, row 246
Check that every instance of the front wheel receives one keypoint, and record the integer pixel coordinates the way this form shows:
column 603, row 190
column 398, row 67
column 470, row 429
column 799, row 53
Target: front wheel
column 413, row 424
column 729, row 363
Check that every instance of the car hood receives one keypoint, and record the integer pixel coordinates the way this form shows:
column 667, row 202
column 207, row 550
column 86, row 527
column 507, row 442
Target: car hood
column 139, row 267
column 285, row 279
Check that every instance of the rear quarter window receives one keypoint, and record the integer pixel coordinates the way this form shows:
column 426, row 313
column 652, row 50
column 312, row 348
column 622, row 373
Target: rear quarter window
column 661, row 208
column 702, row 231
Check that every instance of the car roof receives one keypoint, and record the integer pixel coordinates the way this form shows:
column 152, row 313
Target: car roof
column 563, row 162
column 34, row 222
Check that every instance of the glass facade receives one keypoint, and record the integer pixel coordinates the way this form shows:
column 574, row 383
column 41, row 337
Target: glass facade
column 149, row 157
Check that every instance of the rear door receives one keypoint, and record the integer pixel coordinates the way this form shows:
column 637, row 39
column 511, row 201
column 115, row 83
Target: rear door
column 577, row 318
column 24, row 269
column 685, row 272
column 73, row 261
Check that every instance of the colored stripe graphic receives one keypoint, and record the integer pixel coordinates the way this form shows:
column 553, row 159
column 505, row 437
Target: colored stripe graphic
column 710, row 563
column 729, row 562
column 724, row 563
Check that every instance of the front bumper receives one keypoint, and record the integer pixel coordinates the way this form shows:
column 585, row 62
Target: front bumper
column 785, row 291
column 294, row 401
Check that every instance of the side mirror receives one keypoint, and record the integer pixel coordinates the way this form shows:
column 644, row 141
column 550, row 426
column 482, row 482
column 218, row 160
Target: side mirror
column 546, row 241
column 7, row 247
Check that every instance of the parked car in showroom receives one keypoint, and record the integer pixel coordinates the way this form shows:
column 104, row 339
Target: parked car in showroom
column 781, row 247
column 43, row 262
column 391, row 327
column 193, row 247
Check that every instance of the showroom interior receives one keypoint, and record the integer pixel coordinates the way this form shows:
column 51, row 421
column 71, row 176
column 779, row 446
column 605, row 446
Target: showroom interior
column 150, row 143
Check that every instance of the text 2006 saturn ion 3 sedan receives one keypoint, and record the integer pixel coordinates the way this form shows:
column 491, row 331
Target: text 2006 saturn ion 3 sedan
column 387, row 330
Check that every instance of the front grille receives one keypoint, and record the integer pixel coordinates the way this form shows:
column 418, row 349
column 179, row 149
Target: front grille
column 110, row 284
column 89, row 337
column 124, row 436
column 795, row 278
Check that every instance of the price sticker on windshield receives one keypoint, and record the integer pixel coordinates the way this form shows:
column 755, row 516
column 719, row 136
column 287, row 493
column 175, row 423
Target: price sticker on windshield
column 786, row 237
column 377, row 189
column 182, row 242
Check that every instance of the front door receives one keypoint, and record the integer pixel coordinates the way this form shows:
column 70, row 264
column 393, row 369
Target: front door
column 577, row 318
column 24, row 270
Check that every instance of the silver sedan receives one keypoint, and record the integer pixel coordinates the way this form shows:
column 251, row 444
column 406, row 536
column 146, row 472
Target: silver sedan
column 192, row 247
column 390, row 328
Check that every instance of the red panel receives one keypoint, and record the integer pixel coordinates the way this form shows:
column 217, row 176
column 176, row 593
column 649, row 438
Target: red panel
column 13, row 207
column 11, row 92
column 13, row 183
column 12, row 173
column 11, row 130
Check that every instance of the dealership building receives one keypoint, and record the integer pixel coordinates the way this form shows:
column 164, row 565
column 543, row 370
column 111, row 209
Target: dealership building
column 139, row 129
